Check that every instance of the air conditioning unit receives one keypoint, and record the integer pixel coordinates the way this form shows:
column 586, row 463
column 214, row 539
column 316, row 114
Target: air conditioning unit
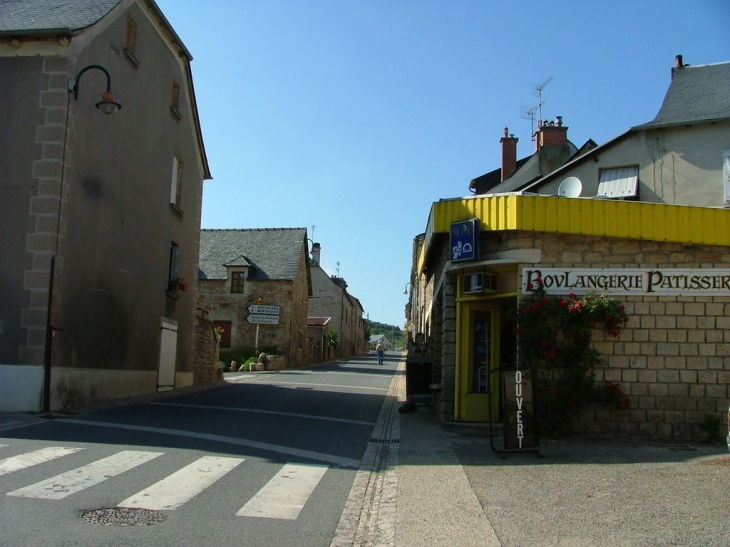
column 479, row 283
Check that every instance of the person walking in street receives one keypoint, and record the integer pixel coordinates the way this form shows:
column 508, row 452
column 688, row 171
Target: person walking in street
column 380, row 348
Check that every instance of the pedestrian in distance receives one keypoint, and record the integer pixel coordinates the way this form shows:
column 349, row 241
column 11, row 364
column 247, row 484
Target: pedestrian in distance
column 380, row 348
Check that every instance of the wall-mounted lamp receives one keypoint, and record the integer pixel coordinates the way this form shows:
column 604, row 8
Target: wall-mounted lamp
column 406, row 290
column 107, row 104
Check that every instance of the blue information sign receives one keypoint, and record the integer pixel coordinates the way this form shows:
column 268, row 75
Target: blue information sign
column 464, row 240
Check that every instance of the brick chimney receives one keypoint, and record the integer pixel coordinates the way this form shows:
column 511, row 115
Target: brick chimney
column 678, row 63
column 509, row 154
column 315, row 253
column 551, row 133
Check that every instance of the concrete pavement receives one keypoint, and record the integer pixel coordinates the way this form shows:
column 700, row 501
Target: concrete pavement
column 430, row 484
column 422, row 483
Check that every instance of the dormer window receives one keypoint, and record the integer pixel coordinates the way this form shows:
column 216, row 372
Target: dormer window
column 239, row 271
column 237, row 279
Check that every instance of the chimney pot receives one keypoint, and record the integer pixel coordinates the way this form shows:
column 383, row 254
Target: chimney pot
column 678, row 62
column 509, row 154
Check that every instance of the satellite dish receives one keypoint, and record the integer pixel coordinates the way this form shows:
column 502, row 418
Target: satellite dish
column 570, row 187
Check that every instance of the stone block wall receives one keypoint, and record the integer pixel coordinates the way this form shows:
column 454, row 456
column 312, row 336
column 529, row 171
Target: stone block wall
column 673, row 357
column 205, row 367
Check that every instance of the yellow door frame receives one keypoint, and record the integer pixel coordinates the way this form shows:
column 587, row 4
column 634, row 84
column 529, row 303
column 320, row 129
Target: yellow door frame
column 471, row 406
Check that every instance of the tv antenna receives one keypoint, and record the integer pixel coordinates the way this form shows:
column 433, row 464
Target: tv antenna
column 338, row 268
column 529, row 113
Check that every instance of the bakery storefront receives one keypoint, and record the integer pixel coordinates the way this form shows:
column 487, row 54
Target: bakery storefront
column 668, row 265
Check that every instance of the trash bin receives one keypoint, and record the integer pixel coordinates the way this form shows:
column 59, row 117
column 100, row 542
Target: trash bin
column 418, row 375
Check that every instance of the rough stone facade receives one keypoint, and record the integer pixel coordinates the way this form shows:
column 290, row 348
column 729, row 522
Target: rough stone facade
column 672, row 359
column 207, row 350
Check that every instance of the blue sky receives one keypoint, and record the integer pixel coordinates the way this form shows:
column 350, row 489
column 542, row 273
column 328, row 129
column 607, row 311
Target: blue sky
column 355, row 116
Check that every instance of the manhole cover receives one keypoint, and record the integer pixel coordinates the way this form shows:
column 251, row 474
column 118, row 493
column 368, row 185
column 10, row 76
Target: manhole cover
column 123, row 516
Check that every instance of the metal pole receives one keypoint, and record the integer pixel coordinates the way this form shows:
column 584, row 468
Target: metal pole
column 49, row 343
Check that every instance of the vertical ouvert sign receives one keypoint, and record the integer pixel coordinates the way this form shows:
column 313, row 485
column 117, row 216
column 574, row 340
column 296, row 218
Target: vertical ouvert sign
column 519, row 410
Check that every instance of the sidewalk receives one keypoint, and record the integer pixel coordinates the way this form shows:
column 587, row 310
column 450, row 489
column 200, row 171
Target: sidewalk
column 452, row 489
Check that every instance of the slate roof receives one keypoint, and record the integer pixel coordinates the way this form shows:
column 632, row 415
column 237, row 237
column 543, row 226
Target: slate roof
column 52, row 15
column 275, row 253
column 697, row 94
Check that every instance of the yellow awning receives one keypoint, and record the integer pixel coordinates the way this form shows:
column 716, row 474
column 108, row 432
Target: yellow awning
column 582, row 216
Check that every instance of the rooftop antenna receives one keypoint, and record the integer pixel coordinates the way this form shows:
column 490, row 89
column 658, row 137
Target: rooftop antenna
column 529, row 113
column 313, row 225
column 338, row 268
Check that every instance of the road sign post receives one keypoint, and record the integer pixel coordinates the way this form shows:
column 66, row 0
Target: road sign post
column 260, row 314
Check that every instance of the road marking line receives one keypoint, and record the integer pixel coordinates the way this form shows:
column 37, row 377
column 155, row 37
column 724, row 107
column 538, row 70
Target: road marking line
column 319, row 456
column 29, row 459
column 73, row 481
column 284, row 496
column 273, row 412
column 183, row 485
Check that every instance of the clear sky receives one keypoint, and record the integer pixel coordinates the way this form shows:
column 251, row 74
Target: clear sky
column 354, row 116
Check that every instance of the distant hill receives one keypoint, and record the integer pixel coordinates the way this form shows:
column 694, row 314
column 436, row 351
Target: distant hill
column 395, row 334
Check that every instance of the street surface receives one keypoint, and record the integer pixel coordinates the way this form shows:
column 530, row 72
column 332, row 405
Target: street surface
column 268, row 459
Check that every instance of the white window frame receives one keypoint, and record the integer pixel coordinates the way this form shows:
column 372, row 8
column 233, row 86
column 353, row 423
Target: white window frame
column 176, row 181
column 618, row 182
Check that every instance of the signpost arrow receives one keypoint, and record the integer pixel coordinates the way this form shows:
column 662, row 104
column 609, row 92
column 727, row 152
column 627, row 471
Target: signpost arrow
column 261, row 319
column 264, row 310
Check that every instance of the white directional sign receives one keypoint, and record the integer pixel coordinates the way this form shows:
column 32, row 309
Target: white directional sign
column 261, row 319
column 264, row 310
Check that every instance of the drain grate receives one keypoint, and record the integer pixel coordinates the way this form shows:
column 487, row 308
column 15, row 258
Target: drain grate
column 384, row 441
column 123, row 516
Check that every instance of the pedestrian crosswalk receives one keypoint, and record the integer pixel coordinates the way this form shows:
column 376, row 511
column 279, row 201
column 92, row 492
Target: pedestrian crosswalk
column 283, row 497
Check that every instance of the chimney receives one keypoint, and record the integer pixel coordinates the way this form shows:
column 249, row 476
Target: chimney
column 509, row 154
column 678, row 63
column 551, row 133
column 315, row 254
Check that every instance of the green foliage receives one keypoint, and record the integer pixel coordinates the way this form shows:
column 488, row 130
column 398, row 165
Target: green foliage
column 554, row 339
column 246, row 355
column 396, row 335
column 332, row 339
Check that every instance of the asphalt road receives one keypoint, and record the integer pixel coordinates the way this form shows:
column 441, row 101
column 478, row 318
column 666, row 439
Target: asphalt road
column 267, row 460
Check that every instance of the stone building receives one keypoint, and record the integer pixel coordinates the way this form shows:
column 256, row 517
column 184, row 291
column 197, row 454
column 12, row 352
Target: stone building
column 99, row 214
column 256, row 285
column 330, row 299
column 656, row 240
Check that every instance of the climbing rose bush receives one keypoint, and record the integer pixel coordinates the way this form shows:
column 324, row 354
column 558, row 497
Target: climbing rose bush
column 554, row 339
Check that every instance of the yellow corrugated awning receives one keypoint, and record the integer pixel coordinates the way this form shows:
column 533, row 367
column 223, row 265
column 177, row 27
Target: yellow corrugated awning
column 583, row 216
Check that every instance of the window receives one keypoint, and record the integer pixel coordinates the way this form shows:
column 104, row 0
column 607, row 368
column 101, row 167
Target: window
column 176, row 184
column 173, row 261
column 237, row 279
column 619, row 183
column 130, row 41
column 175, row 100
column 225, row 330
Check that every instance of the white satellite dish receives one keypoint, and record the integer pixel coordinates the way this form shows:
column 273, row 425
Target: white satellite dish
column 570, row 187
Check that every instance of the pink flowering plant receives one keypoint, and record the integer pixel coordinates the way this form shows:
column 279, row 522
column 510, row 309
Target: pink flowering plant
column 177, row 285
column 554, row 338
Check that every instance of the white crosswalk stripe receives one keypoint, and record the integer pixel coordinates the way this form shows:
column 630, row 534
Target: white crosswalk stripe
column 16, row 463
column 285, row 494
column 283, row 497
column 173, row 491
column 63, row 485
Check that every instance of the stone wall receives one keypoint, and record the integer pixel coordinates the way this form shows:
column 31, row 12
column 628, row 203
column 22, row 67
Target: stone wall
column 205, row 367
column 673, row 357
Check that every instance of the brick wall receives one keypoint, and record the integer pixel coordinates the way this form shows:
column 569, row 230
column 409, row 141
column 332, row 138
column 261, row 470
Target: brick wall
column 673, row 358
